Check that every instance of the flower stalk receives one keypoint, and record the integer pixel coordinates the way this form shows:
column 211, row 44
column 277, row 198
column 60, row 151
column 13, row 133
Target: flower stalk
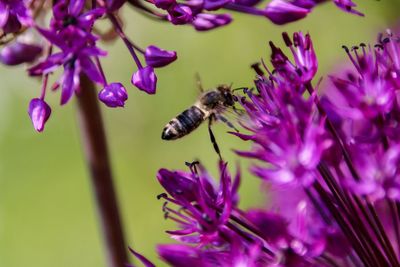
column 97, row 159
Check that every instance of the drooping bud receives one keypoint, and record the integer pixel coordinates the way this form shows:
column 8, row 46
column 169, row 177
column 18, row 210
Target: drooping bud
column 17, row 53
column 205, row 22
column 180, row 14
column 113, row 95
column 145, row 79
column 39, row 112
column 281, row 12
column 157, row 57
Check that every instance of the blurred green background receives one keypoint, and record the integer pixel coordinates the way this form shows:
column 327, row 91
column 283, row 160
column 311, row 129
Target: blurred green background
column 47, row 213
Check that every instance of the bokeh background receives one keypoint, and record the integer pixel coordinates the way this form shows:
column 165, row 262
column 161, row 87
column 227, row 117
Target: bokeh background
column 47, row 213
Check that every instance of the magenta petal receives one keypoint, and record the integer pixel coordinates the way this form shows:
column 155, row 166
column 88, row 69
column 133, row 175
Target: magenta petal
column 4, row 13
column 39, row 112
column 113, row 95
column 145, row 79
column 157, row 57
column 281, row 12
column 70, row 84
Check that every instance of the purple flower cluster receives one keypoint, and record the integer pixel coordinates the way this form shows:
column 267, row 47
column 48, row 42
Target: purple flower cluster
column 331, row 164
column 71, row 41
column 342, row 150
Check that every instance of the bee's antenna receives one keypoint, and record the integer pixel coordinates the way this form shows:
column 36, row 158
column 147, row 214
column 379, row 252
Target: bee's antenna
column 240, row 88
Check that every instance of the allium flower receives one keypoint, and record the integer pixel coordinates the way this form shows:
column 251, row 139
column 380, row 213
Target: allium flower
column 14, row 14
column 342, row 152
column 76, row 58
column 113, row 95
column 39, row 111
column 207, row 206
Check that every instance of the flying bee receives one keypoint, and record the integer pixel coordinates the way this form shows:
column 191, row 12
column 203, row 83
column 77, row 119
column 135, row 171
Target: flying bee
column 210, row 105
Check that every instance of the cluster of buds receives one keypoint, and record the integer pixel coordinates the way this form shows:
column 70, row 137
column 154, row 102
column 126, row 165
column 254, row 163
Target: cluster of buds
column 71, row 41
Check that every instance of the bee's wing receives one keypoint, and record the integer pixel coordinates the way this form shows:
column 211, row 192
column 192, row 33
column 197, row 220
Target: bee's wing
column 235, row 118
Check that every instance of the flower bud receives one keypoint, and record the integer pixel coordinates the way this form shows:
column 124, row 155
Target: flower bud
column 281, row 12
column 17, row 53
column 157, row 57
column 113, row 95
column 180, row 14
column 205, row 22
column 39, row 112
column 145, row 79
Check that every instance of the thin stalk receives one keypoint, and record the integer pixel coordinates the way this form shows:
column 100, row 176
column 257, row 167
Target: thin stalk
column 97, row 159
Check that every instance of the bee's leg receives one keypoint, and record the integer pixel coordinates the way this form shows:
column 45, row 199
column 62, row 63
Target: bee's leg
column 212, row 137
column 198, row 82
column 226, row 121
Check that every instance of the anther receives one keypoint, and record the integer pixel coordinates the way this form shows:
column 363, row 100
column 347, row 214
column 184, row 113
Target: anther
column 162, row 195
column 286, row 38
column 257, row 69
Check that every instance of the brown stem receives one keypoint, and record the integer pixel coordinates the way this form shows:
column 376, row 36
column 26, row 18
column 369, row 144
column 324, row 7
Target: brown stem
column 96, row 155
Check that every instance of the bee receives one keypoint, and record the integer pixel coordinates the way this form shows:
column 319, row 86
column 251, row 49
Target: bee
column 210, row 105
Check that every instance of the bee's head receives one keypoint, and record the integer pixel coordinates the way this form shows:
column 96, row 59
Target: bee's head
column 226, row 94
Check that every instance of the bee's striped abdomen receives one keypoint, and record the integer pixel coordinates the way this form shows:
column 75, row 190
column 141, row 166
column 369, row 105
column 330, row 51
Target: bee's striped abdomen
column 183, row 124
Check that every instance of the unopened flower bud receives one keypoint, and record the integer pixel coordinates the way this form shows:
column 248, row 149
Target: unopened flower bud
column 113, row 95
column 39, row 112
column 145, row 79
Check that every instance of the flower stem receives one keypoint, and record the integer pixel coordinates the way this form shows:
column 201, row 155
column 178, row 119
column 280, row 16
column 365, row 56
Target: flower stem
column 96, row 155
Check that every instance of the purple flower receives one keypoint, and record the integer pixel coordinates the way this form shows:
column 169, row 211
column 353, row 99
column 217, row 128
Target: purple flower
column 76, row 57
column 145, row 79
column 157, row 57
column 379, row 171
column 180, row 14
column 206, row 21
column 39, row 112
column 281, row 12
column 18, row 52
column 70, row 14
column 305, row 64
column 113, row 95
column 288, row 135
column 208, row 206
column 14, row 14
